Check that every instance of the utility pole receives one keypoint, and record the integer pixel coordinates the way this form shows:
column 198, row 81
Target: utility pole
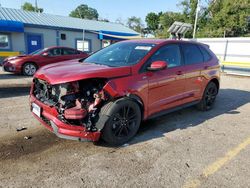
column 83, row 36
column 196, row 18
column 36, row 6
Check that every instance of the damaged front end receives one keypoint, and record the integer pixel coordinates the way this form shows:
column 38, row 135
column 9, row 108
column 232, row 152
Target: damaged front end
column 70, row 110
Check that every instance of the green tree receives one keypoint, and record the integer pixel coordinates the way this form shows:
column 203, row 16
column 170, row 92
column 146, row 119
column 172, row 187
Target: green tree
column 153, row 21
column 165, row 21
column 29, row 7
column 219, row 17
column 135, row 23
column 103, row 20
column 84, row 11
column 189, row 10
column 227, row 17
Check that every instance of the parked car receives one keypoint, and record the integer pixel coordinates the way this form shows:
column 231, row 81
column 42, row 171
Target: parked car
column 111, row 92
column 29, row 64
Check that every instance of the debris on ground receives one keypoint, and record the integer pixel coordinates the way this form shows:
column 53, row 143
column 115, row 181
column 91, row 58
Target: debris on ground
column 21, row 129
column 187, row 165
column 27, row 137
column 125, row 145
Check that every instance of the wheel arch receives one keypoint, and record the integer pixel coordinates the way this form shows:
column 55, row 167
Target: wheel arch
column 105, row 111
column 139, row 101
column 216, row 81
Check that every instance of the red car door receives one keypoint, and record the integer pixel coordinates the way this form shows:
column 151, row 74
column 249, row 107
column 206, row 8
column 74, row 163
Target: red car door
column 53, row 55
column 69, row 54
column 194, row 64
column 166, row 87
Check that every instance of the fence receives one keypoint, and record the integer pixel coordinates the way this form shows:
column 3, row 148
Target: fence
column 234, row 53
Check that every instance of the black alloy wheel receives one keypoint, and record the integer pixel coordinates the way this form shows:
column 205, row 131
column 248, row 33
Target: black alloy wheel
column 209, row 97
column 123, row 122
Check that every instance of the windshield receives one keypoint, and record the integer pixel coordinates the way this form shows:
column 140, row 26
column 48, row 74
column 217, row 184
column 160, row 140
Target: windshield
column 120, row 54
column 37, row 52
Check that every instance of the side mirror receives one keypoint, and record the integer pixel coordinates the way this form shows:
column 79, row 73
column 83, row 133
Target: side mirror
column 157, row 65
column 45, row 54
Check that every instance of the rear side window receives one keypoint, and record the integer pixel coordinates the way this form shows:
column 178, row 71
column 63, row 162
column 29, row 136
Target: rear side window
column 55, row 52
column 192, row 54
column 67, row 51
column 205, row 54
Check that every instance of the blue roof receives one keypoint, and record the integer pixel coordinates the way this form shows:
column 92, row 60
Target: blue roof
column 41, row 19
column 11, row 26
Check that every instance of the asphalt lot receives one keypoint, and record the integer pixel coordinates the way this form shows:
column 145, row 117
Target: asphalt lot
column 10, row 80
column 183, row 149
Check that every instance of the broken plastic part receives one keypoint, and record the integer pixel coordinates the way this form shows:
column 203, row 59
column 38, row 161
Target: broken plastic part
column 21, row 129
column 76, row 112
column 98, row 99
column 110, row 88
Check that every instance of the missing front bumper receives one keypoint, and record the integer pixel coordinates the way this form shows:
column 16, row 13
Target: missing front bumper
column 65, row 131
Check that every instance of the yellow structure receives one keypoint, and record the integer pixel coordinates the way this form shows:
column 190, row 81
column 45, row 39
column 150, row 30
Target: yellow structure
column 8, row 54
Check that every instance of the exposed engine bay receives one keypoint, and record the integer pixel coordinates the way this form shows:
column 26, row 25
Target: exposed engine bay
column 77, row 103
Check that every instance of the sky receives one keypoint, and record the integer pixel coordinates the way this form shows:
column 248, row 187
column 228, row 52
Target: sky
column 109, row 9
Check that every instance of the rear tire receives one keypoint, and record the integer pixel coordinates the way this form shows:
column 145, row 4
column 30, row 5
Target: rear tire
column 209, row 97
column 29, row 69
column 123, row 122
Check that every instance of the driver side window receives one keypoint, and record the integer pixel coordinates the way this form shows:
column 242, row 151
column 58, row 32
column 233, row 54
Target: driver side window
column 169, row 53
column 54, row 52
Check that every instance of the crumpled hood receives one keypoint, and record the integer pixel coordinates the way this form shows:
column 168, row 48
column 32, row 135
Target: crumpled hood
column 73, row 70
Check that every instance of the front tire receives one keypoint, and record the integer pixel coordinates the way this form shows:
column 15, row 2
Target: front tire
column 29, row 69
column 123, row 122
column 209, row 97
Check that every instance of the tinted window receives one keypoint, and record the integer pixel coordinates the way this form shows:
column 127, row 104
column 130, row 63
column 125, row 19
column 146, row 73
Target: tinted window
column 120, row 54
column 205, row 54
column 67, row 51
column 192, row 54
column 4, row 41
column 54, row 52
column 170, row 53
column 63, row 36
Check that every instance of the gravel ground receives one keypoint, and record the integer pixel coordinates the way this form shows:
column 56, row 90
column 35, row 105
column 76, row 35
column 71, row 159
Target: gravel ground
column 170, row 151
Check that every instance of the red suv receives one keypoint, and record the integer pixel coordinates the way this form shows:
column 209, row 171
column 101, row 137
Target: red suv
column 28, row 64
column 108, row 94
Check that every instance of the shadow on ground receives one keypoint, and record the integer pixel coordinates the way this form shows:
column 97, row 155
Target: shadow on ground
column 16, row 146
column 7, row 76
column 14, row 92
column 227, row 102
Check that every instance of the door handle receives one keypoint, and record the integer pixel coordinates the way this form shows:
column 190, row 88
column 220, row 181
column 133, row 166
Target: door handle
column 179, row 73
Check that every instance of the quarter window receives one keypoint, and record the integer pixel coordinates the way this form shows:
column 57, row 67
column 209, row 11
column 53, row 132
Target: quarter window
column 192, row 54
column 4, row 41
column 205, row 54
column 170, row 54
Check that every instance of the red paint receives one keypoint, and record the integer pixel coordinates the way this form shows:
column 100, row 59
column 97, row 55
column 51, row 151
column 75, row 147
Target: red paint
column 16, row 63
column 73, row 70
column 158, row 65
column 157, row 90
